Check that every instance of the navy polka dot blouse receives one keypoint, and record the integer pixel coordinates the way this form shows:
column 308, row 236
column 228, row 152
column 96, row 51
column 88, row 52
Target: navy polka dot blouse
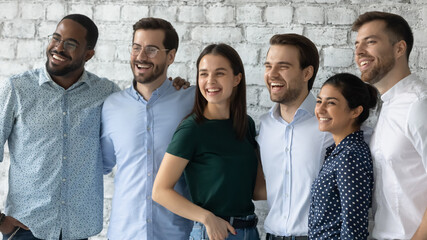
column 342, row 192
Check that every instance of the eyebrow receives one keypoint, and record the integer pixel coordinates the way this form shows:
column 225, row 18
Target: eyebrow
column 328, row 98
column 139, row 45
column 365, row 38
column 280, row 63
column 218, row 69
column 69, row 39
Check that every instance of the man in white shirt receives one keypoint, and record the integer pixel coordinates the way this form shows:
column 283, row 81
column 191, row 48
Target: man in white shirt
column 399, row 143
column 292, row 147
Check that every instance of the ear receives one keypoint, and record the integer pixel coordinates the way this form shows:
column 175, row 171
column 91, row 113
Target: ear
column 400, row 49
column 355, row 113
column 237, row 79
column 89, row 54
column 171, row 56
column 308, row 73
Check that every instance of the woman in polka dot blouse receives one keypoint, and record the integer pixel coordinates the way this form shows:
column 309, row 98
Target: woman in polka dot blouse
column 342, row 192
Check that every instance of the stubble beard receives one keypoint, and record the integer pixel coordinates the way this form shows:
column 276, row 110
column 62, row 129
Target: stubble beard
column 379, row 71
column 158, row 70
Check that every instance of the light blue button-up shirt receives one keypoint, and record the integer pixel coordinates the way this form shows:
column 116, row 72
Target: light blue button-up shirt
column 55, row 176
column 292, row 155
column 135, row 135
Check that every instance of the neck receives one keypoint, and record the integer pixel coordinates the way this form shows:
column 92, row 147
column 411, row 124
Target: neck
column 399, row 72
column 67, row 80
column 338, row 137
column 147, row 89
column 288, row 110
column 217, row 111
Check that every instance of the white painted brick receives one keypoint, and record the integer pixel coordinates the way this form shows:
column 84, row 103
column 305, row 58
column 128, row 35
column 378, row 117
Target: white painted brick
column 8, row 48
column 420, row 35
column 182, row 70
column 134, row 12
column 337, row 57
column 423, row 16
column 220, row 14
column 30, row 49
column 9, row 68
column 263, row 34
column 327, row 35
column 105, row 51
column 166, row 12
column 249, row 14
column 46, row 28
column 279, row 14
column 249, row 53
column 55, row 11
column 216, row 34
column 341, row 16
column 84, row 9
column 187, row 53
column 107, row 12
column 32, row 11
column 122, row 51
column 19, row 29
column 191, row 14
column 183, row 31
column 110, row 31
column 264, row 98
column 8, row 10
column 252, row 95
column 254, row 75
column 309, row 14
column 422, row 62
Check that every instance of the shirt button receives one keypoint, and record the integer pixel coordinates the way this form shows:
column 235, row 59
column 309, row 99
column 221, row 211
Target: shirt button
column 149, row 174
column 148, row 220
column 64, row 157
column 148, row 151
column 64, row 179
column 286, row 149
column 148, row 128
column 63, row 202
column 148, row 197
column 65, row 135
column 65, row 113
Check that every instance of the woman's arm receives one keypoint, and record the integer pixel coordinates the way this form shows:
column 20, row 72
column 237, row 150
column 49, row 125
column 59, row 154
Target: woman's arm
column 168, row 175
column 260, row 191
column 421, row 233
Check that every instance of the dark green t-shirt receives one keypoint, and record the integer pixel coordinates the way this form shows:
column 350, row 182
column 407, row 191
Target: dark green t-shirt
column 222, row 169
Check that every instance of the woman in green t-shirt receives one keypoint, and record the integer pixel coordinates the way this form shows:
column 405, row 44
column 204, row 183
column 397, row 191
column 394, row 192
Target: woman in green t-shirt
column 215, row 148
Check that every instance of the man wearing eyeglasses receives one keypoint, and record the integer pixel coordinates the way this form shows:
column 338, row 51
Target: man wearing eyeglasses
column 137, row 126
column 51, row 120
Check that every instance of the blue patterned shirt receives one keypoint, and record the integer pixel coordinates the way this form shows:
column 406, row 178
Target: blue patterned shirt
column 342, row 192
column 55, row 176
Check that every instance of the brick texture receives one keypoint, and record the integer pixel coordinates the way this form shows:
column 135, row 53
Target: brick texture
column 246, row 25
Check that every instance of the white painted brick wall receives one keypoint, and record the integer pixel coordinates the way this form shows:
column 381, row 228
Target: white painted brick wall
column 246, row 25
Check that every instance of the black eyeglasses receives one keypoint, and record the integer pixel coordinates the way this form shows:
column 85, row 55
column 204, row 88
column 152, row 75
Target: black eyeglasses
column 150, row 51
column 69, row 45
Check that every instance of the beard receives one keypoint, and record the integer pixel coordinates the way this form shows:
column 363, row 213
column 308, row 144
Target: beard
column 289, row 96
column 378, row 71
column 65, row 70
column 158, row 71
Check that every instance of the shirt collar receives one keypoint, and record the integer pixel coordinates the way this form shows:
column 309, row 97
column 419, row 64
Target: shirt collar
column 305, row 109
column 398, row 88
column 155, row 95
column 84, row 78
column 353, row 137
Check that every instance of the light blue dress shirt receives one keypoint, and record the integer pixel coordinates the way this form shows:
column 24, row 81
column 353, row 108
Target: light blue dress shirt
column 292, row 155
column 135, row 135
column 55, row 176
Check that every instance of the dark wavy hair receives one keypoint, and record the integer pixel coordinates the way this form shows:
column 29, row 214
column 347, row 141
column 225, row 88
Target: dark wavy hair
column 171, row 40
column 356, row 92
column 238, row 97
column 91, row 28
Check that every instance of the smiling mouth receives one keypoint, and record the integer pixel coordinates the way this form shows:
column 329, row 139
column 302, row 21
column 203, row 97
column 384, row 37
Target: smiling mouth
column 363, row 63
column 212, row 90
column 143, row 66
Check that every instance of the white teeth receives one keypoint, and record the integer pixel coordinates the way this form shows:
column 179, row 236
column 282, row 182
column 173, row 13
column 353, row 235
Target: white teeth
column 58, row 58
column 213, row 90
column 277, row 85
column 364, row 63
column 142, row 66
column 323, row 119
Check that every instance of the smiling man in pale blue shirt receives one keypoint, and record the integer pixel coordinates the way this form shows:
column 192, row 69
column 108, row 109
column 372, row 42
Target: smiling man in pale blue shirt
column 292, row 147
column 51, row 120
column 137, row 126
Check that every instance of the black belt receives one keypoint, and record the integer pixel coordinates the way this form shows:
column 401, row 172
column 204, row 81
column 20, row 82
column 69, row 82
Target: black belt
column 274, row 237
column 242, row 223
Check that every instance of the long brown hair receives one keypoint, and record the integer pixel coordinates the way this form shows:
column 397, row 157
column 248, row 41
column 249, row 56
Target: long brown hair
column 238, row 97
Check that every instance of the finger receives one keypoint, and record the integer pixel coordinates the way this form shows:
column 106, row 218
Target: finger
column 231, row 228
column 170, row 78
column 19, row 224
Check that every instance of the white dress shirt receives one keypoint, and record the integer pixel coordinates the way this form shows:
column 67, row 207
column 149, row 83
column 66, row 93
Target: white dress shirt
column 399, row 150
column 292, row 154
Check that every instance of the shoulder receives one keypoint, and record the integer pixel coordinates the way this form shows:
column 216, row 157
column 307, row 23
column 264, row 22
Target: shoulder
column 31, row 76
column 102, row 83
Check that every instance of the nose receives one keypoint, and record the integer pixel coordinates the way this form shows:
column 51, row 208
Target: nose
column 59, row 46
column 273, row 72
column 320, row 107
column 142, row 54
column 360, row 49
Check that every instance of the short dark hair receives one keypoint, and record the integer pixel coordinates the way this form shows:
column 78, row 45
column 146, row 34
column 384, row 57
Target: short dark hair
column 308, row 54
column 91, row 28
column 238, row 98
column 171, row 40
column 356, row 92
column 396, row 27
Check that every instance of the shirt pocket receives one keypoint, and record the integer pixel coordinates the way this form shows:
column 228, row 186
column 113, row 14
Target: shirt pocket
column 89, row 124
